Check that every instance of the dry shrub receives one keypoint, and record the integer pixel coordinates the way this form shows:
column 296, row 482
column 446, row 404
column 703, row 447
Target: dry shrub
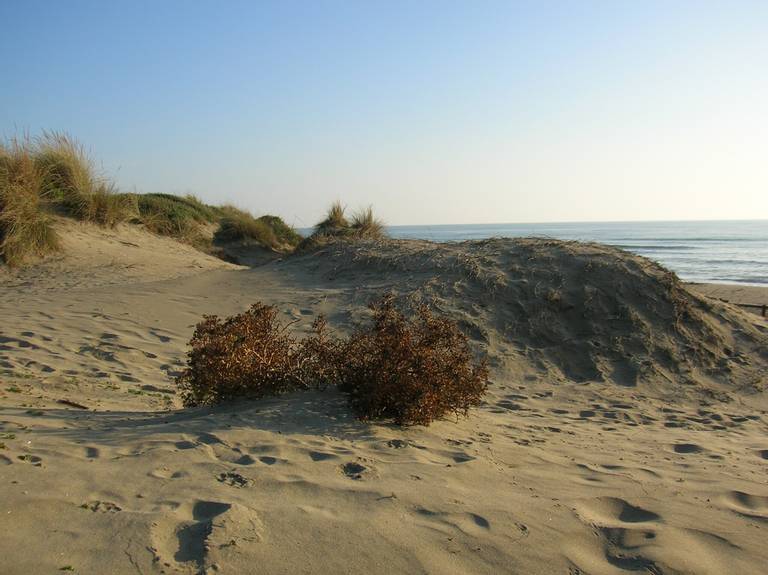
column 247, row 355
column 412, row 371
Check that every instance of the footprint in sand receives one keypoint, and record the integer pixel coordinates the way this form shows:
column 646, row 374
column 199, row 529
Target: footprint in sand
column 102, row 506
column 354, row 470
column 747, row 504
column 686, row 448
column 33, row 459
column 203, row 535
column 613, row 511
column 321, row 456
column 624, row 531
column 165, row 473
column 232, row 479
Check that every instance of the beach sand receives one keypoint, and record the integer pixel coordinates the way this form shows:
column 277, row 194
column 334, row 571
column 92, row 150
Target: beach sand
column 736, row 294
column 570, row 466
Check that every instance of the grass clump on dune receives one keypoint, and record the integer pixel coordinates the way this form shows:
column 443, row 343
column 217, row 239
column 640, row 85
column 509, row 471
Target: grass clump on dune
column 362, row 225
column 26, row 228
column 183, row 218
column 270, row 231
column 70, row 180
column 335, row 222
column 44, row 176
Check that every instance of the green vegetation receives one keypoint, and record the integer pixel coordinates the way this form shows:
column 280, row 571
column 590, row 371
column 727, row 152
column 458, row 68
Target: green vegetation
column 269, row 231
column 52, row 175
column 365, row 225
column 335, row 222
column 336, row 225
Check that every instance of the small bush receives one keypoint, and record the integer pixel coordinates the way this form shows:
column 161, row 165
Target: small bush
column 412, row 371
column 247, row 355
column 26, row 228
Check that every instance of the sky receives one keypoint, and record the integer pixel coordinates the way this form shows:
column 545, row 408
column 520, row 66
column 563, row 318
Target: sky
column 432, row 112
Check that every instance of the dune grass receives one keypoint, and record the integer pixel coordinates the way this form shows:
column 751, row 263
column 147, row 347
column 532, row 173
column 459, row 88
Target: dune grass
column 69, row 178
column 269, row 231
column 362, row 225
column 26, row 228
column 335, row 222
column 365, row 224
column 53, row 174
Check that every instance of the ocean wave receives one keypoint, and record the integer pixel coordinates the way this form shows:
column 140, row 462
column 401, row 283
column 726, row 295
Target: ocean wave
column 753, row 280
column 634, row 247
column 690, row 239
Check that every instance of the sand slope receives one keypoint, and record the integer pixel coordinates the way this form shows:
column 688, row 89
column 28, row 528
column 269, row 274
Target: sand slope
column 554, row 474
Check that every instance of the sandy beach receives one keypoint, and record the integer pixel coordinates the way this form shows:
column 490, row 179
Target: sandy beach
column 569, row 466
column 736, row 294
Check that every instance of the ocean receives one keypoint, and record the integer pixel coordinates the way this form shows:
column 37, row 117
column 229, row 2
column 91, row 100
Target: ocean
column 705, row 251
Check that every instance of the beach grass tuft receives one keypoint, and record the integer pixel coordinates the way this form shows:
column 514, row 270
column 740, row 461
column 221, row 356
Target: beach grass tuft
column 26, row 228
column 238, row 225
column 362, row 225
column 69, row 178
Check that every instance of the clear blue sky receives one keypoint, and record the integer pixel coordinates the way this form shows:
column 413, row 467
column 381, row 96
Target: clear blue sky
column 434, row 112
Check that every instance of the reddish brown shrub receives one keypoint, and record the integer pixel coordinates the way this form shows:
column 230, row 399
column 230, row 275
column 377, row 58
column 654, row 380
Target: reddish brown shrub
column 412, row 371
column 246, row 355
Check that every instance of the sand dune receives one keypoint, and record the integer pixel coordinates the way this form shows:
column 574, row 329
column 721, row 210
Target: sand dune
column 613, row 439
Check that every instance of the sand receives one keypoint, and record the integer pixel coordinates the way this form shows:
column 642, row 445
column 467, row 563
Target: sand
column 575, row 467
column 736, row 294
